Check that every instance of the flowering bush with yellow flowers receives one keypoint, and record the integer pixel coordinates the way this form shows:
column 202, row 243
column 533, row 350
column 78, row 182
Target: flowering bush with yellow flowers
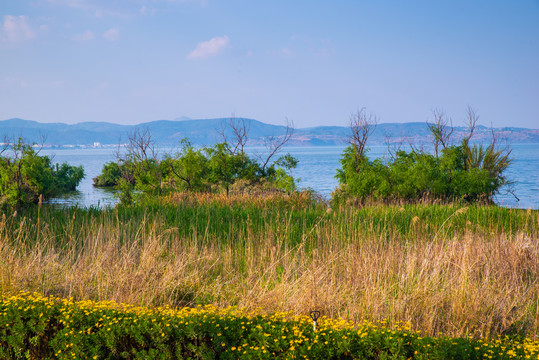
column 37, row 327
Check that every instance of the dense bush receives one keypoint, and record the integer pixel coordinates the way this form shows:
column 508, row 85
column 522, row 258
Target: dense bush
column 417, row 175
column 206, row 169
column 36, row 327
column 454, row 172
column 110, row 175
column 25, row 176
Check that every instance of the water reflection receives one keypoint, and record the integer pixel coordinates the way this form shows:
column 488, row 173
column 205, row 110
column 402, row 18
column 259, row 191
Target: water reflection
column 98, row 198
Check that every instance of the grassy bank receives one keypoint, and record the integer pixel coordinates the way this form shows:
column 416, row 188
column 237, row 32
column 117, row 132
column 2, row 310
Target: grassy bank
column 445, row 269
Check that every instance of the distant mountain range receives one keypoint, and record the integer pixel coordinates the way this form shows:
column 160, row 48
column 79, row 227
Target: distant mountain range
column 206, row 132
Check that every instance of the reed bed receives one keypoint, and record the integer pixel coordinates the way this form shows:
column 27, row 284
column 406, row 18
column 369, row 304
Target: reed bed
column 447, row 269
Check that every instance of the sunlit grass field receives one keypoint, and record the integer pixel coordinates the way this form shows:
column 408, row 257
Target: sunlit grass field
column 446, row 270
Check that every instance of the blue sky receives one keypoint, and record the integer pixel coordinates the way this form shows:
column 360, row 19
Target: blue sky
column 313, row 62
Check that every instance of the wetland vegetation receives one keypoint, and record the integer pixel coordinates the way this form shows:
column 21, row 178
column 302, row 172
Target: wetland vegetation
column 212, row 236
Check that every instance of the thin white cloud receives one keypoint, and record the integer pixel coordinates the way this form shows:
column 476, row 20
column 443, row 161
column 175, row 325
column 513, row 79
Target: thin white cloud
column 144, row 10
column 209, row 48
column 286, row 52
column 99, row 9
column 70, row 3
column 85, row 36
column 112, row 34
column 121, row 9
column 15, row 82
column 16, row 29
column 201, row 2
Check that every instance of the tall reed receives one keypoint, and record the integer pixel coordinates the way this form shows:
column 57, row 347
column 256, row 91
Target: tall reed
column 443, row 268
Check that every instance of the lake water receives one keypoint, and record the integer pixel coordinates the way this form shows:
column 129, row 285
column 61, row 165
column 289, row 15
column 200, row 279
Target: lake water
column 316, row 170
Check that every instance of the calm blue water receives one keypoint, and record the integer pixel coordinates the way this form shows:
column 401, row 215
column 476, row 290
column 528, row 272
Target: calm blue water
column 316, row 170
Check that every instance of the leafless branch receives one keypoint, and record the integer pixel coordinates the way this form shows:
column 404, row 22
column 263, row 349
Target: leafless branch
column 362, row 126
column 42, row 140
column 186, row 179
column 274, row 143
column 392, row 147
column 141, row 146
column 5, row 144
column 512, row 192
column 441, row 129
column 235, row 142
column 472, row 118
column 418, row 149
column 117, row 153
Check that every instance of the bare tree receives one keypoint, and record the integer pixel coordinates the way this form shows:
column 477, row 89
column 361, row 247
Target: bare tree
column 5, row 144
column 392, row 147
column 471, row 118
column 142, row 156
column 473, row 156
column 362, row 126
column 441, row 129
column 141, row 147
column 274, row 143
column 236, row 141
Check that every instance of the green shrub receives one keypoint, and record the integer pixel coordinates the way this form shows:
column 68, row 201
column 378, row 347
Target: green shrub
column 26, row 176
column 110, row 175
column 207, row 169
column 461, row 172
column 417, row 175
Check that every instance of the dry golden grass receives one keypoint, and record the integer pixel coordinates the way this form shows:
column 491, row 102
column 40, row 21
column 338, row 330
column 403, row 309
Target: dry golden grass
column 251, row 195
column 480, row 283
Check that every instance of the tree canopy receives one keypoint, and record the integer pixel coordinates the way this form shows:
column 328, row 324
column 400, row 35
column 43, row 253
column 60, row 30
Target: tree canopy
column 27, row 177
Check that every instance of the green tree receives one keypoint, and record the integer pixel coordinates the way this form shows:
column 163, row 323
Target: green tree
column 283, row 177
column 25, row 176
column 189, row 167
column 225, row 167
column 110, row 175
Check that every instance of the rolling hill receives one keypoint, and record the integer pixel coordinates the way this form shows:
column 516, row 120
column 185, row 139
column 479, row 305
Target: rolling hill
column 206, row 131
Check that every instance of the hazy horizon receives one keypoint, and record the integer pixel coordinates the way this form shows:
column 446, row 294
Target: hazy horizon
column 313, row 62
column 183, row 118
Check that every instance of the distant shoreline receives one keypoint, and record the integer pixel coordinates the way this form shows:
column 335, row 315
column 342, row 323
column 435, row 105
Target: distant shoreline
column 206, row 132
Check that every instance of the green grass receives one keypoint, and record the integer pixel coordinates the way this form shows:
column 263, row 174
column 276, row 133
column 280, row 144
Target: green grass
column 442, row 268
column 215, row 221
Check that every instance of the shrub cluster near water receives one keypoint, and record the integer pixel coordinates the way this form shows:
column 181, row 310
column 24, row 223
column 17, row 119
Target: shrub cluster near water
column 28, row 178
column 140, row 173
column 453, row 172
